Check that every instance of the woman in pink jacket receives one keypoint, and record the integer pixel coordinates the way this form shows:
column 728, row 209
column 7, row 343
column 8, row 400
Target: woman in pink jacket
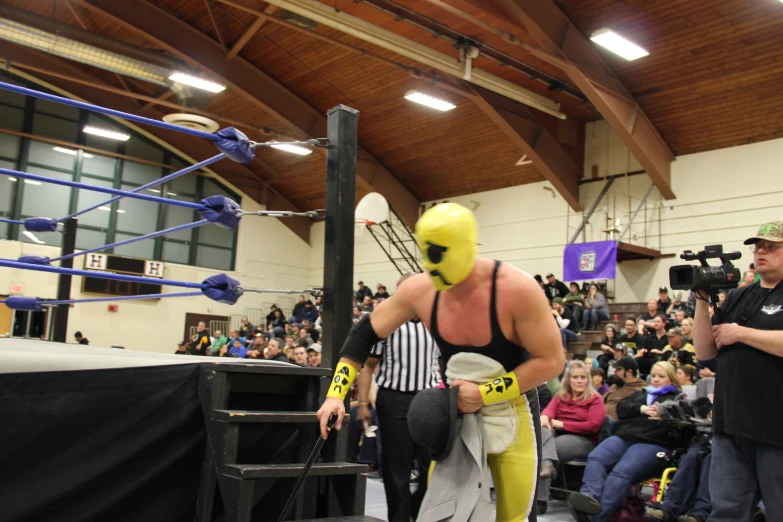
column 569, row 425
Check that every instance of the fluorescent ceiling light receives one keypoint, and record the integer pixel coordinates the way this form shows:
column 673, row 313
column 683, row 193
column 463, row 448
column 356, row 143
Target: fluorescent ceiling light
column 156, row 191
column 618, row 45
column 170, row 194
column 104, row 133
column 32, row 237
column 70, row 152
column 429, row 101
column 197, row 82
column 107, row 209
column 292, row 148
column 120, row 211
column 12, row 179
column 31, row 182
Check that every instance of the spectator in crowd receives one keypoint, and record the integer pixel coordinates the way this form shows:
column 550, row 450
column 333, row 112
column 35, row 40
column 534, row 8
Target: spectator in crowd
column 665, row 304
column 319, row 321
column 80, row 339
column 304, row 335
column 246, row 330
column 645, row 323
column 270, row 317
column 381, row 293
column 289, row 344
column 626, row 371
column 314, row 355
column 632, row 453
column 308, row 313
column 356, row 315
column 608, row 342
column 237, row 350
column 618, row 352
column 599, row 381
column 633, row 340
column 589, row 363
column 300, row 355
column 686, row 375
column 596, row 308
column 569, row 330
column 307, row 326
column 555, row 288
column 298, row 307
column 569, row 425
column 296, row 330
column 319, row 303
column 182, row 348
column 575, row 301
column 540, row 281
column 366, row 307
column 256, row 350
column 233, row 334
column 364, row 291
column 276, row 351
column 676, row 304
column 657, row 340
column 748, row 278
column 201, row 340
column 677, row 349
column 687, row 329
column 679, row 317
column 278, row 320
column 220, row 341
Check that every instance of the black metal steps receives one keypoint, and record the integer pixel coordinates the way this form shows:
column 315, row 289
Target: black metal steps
column 263, row 416
column 252, row 471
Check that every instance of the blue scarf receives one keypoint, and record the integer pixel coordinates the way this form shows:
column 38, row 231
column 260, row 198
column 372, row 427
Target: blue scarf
column 653, row 392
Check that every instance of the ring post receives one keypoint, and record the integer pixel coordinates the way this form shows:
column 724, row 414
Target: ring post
column 342, row 133
column 60, row 324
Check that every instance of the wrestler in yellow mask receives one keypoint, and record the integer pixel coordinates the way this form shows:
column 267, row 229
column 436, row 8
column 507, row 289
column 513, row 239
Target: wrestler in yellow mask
column 447, row 235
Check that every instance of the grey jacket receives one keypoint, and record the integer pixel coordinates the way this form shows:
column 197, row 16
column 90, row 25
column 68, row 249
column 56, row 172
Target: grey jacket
column 599, row 303
column 459, row 489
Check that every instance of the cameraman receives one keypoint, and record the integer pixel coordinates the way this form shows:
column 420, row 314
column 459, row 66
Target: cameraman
column 748, row 336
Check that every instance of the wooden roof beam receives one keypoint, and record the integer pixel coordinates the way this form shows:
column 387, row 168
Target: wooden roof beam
column 555, row 33
column 520, row 124
column 246, row 80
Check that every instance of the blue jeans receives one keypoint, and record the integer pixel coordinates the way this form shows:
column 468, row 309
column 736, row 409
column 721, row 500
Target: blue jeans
column 613, row 467
column 689, row 491
column 744, row 470
column 567, row 336
column 591, row 318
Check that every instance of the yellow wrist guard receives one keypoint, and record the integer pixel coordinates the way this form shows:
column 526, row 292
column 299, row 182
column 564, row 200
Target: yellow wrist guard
column 344, row 376
column 501, row 389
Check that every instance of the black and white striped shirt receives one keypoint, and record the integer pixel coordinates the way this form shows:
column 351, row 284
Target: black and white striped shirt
column 409, row 359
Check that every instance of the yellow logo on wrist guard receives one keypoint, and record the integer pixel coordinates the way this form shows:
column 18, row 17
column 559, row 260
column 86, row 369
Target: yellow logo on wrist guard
column 344, row 376
column 501, row 389
column 447, row 236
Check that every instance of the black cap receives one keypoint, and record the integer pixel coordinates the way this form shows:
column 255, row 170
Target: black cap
column 550, row 275
column 627, row 363
column 433, row 420
column 538, row 278
column 663, row 289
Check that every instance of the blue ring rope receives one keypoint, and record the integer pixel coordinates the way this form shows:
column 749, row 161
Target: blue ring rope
column 105, row 190
column 10, row 263
column 186, row 170
column 103, row 110
column 12, row 221
column 133, row 240
column 123, row 298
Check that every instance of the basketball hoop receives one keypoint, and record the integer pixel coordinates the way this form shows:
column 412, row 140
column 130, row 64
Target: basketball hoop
column 371, row 210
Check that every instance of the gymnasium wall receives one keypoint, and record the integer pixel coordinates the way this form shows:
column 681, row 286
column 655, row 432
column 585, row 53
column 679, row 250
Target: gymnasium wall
column 269, row 255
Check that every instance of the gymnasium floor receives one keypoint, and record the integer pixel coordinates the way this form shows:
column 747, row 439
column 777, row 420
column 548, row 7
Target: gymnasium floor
column 375, row 505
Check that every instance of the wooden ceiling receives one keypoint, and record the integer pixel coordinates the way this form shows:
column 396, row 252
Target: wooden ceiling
column 711, row 81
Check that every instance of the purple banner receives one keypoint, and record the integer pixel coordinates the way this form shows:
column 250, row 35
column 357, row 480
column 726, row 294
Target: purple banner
column 590, row 261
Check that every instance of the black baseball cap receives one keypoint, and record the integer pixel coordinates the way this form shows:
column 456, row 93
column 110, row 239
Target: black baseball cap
column 627, row 363
column 663, row 289
column 550, row 275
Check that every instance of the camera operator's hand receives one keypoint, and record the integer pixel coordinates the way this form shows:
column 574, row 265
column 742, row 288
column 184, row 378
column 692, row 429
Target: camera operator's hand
column 726, row 334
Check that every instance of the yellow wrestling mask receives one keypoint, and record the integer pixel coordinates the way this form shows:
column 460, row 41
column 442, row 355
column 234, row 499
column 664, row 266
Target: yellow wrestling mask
column 447, row 235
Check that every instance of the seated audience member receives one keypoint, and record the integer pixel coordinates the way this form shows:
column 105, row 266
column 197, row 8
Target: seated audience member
column 256, row 351
column 275, row 350
column 596, row 308
column 356, row 315
column 645, row 322
column 246, row 329
column 590, row 363
column 290, row 344
column 679, row 317
column 676, row 304
column 271, row 315
column 305, row 335
column 298, row 307
column 278, row 321
column 307, row 326
column 721, row 297
column 381, row 293
column 314, row 355
column 607, row 344
column 575, row 302
column 319, row 303
column 296, row 330
column 687, row 329
column 626, row 371
column 677, row 349
column 654, row 345
column 364, row 291
column 618, row 352
column 219, row 342
column 201, row 340
column 308, row 313
column 632, row 453
column 232, row 334
column 366, row 307
column 599, row 381
column 319, row 321
column 182, row 348
column 569, row 425
column 299, row 355
column 555, row 288
column 665, row 304
column 631, row 338
column 237, row 350
column 569, row 329
column 686, row 375
column 80, row 339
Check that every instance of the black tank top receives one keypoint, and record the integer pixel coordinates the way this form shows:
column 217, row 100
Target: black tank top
column 509, row 354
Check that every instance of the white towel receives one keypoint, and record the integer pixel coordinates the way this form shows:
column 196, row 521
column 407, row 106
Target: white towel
column 500, row 419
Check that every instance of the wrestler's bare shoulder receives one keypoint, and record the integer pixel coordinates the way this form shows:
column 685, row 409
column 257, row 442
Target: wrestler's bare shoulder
column 517, row 287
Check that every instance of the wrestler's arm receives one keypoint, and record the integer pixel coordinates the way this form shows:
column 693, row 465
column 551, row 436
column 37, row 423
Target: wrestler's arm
column 382, row 322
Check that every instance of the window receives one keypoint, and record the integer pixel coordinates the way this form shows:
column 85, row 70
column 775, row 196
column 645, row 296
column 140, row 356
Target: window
column 44, row 199
column 136, row 215
column 144, row 248
column 44, row 155
column 97, row 165
column 9, row 144
column 56, row 128
column 11, row 118
column 87, row 238
column 87, row 198
column 7, row 188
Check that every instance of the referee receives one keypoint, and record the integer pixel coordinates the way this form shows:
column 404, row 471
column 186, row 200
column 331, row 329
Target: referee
column 407, row 363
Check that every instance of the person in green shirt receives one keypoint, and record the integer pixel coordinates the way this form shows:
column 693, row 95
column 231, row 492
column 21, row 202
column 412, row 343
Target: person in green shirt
column 575, row 301
column 220, row 341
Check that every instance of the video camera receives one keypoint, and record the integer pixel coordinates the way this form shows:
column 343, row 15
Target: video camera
column 705, row 277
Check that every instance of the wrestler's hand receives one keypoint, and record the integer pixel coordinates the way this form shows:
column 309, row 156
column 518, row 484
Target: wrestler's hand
column 331, row 405
column 469, row 399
